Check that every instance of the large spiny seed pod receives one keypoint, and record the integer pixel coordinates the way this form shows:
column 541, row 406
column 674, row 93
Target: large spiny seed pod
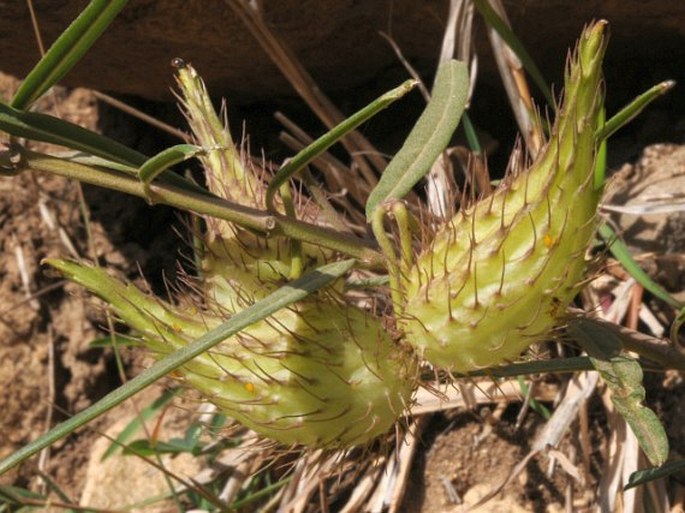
column 320, row 374
column 499, row 274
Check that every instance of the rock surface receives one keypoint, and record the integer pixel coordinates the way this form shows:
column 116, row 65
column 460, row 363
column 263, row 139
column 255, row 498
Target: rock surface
column 337, row 40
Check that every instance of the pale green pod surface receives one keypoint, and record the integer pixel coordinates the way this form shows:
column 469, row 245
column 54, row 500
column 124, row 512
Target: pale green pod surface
column 238, row 271
column 320, row 374
column 500, row 273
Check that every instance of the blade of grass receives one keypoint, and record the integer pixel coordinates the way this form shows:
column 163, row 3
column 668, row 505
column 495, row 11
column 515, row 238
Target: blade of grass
column 622, row 254
column 427, row 139
column 283, row 297
column 155, row 166
column 133, row 426
column 517, row 47
column 44, row 128
column 49, row 129
column 67, row 50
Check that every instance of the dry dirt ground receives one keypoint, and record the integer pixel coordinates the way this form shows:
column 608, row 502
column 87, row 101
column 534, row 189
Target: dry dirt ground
column 48, row 370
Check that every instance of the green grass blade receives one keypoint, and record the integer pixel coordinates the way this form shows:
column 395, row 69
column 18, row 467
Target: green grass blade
column 114, row 341
column 67, row 50
column 471, row 135
column 493, row 19
column 44, row 128
column 133, row 426
column 427, row 139
column 622, row 254
column 324, row 142
column 49, row 129
column 565, row 365
column 283, row 297
column 627, row 113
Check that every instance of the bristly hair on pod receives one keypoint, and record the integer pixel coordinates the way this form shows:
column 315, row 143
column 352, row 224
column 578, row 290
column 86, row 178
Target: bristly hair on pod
column 322, row 373
column 499, row 274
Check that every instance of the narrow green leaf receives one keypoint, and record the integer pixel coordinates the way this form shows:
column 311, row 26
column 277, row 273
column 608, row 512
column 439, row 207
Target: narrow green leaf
column 44, row 128
column 428, row 138
column 283, row 297
column 622, row 254
column 497, row 23
column 49, row 129
column 676, row 326
column 67, row 50
column 623, row 375
column 627, row 113
column 118, row 340
column 15, row 494
column 645, row 476
column 535, row 405
column 156, row 165
column 571, row 364
column 601, row 157
column 471, row 135
column 316, row 148
column 133, row 426
column 144, row 447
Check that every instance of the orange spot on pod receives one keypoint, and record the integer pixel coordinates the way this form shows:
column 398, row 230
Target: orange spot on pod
column 249, row 387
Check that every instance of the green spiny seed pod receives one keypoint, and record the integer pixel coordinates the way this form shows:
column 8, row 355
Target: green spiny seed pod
column 236, row 263
column 499, row 274
column 319, row 374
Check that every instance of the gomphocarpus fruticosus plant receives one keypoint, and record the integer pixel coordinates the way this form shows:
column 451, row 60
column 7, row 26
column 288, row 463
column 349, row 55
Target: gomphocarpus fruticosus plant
column 321, row 373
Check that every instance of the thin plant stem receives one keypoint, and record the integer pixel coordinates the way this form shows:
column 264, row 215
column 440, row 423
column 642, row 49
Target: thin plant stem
column 270, row 224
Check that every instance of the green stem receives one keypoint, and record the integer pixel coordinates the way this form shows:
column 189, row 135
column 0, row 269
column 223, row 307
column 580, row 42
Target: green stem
column 296, row 259
column 205, row 204
column 391, row 256
column 403, row 220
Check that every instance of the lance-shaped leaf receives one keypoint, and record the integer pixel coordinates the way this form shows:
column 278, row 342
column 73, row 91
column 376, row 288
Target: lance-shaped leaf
column 623, row 376
column 428, row 138
column 651, row 474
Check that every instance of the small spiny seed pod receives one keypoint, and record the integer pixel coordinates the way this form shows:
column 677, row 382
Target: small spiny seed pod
column 498, row 274
column 236, row 262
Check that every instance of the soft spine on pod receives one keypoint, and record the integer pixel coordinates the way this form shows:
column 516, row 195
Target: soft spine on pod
column 500, row 273
column 321, row 373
